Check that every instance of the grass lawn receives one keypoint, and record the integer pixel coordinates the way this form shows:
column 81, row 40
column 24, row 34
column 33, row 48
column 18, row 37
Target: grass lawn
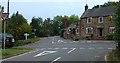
column 12, row 52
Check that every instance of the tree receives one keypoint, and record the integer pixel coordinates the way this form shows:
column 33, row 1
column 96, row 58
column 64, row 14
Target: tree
column 18, row 25
column 73, row 19
column 37, row 24
column 106, row 4
column 117, row 26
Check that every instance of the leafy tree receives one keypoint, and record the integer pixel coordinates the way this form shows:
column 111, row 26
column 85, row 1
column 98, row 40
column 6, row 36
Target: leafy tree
column 73, row 19
column 117, row 26
column 37, row 24
column 18, row 25
column 106, row 4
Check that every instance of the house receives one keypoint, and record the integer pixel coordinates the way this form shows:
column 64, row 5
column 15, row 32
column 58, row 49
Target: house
column 72, row 32
column 97, row 23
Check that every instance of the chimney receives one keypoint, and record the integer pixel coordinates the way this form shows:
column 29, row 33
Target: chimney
column 86, row 7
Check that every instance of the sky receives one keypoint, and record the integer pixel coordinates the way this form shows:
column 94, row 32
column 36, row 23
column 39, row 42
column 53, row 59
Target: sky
column 49, row 8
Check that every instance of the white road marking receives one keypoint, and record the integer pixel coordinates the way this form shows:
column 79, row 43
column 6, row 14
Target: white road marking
column 82, row 48
column 64, row 48
column 71, row 50
column 64, row 42
column 43, row 48
column 56, row 48
column 97, row 56
column 94, row 41
column 55, row 59
column 91, row 48
column 52, row 42
column 111, row 48
column 50, row 48
column 100, row 48
column 89, row 41
column 44, row 53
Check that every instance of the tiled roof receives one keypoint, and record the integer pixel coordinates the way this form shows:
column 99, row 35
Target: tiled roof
column 97, row 12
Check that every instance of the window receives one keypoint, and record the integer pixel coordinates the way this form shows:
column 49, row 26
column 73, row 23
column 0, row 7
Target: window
column 89, row 30
column 77, row 31
column 111, row 29
column 89, row 20
column 100, row 19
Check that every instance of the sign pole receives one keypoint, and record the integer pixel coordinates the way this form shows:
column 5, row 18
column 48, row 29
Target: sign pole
column 4, row 33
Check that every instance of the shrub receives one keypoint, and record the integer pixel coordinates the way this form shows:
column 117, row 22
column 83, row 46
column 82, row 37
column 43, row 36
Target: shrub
column 109, row 37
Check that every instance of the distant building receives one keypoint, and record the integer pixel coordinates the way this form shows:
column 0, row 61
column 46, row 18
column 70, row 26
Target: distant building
column 97, row 23
column 72, row 32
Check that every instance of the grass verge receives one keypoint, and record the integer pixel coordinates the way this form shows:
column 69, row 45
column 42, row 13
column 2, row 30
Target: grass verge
column 13, row 52
column 114, row 56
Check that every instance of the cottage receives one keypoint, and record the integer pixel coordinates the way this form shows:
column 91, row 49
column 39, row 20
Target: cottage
column 72, row 32
column 97, row 23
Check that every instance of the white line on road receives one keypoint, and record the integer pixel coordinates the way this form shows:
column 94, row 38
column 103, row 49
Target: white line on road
column 111, row 48
column 64, row 48
column 56, row 48
column 100, row 48
column 71, row 50
column 82, row 48
column 44, row 53
column 55, row 59
column 91, row 48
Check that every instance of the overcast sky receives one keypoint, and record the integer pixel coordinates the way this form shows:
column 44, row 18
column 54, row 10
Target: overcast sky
column 50, row 8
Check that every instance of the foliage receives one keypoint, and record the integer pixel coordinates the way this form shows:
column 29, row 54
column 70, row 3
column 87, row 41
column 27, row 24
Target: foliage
column 109, row 37
column 106, row 4
column 114, row 56
column 49, row 27
column 117, row 26
column 18, row 25
column 23, row 42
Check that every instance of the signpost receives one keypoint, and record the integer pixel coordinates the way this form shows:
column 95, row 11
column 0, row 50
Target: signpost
column 26, row 36
column 4, row 17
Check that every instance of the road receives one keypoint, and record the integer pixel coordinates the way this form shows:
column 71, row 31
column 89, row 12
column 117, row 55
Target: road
column 56, row 49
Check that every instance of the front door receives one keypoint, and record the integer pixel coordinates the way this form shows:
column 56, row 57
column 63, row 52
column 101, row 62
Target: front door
column 100, row 31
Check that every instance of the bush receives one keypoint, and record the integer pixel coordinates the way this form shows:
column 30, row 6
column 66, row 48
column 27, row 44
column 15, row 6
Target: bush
column 24, row 42
column 109, row 37
column 114, row 56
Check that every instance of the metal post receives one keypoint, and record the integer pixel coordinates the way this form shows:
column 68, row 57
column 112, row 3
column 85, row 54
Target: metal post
column 4, row 33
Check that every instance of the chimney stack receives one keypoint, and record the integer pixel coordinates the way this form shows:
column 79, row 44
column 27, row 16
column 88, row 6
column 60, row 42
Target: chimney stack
column 86, row 7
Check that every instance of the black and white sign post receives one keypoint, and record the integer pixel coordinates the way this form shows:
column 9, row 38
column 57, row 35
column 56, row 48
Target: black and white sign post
column 26, row 36
column 4, row 17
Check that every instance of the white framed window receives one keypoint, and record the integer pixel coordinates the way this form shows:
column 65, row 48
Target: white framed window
column 77, row 31
column 89, row 30
column 100, row 19
column 111, row 29
column 89, row 20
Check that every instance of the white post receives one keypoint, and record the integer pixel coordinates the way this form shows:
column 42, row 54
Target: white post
column 26, row 36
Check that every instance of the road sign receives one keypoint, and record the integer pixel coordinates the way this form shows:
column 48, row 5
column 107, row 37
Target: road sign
column 5, row 16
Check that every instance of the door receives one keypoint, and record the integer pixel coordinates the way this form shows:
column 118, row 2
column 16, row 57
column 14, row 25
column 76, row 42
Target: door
column 100, row 31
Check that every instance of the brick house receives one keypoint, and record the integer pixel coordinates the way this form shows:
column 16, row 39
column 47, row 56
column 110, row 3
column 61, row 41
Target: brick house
column 72, row 32
column 97, row 23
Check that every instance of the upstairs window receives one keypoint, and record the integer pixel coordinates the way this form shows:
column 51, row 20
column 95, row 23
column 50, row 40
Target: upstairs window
column 89, row 20
column 89, row 30
column 111, row 30
column 100, row 19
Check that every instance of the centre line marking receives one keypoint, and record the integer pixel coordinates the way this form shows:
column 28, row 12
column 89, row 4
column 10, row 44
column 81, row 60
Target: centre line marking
column 91, row 48
column 71, row 50
column 64, row 48
column 55, row 59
